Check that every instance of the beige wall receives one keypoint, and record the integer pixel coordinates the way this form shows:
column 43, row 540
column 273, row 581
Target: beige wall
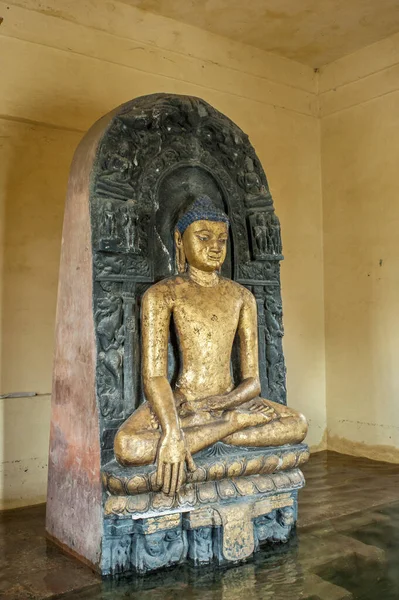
column 66, row 63
column 359, row 103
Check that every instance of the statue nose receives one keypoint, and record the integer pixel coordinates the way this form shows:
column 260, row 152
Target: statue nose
column 215, row 247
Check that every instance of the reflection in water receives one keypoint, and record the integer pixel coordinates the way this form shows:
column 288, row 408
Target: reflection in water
column 365, row 578
column 355, row 557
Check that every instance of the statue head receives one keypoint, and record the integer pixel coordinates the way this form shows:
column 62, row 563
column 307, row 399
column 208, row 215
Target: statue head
column 201, row 236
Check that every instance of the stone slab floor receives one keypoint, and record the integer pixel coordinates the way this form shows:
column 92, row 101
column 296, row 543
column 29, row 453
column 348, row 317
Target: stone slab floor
column 346, row 548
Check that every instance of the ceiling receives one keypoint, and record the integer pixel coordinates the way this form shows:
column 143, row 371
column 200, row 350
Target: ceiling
column 314, row 32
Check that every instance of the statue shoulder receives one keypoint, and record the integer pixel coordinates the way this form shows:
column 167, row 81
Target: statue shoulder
column 164, row 289
column 239, row 289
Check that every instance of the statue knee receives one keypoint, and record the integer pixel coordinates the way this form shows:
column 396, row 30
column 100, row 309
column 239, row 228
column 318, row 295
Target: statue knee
column 303, row 426
column 132, row 449
column 123, row 448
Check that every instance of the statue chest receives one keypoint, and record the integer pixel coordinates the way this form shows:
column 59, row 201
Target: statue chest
column 207, row 318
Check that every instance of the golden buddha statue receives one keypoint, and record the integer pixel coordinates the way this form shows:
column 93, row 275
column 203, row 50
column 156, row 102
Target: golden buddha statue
column 204, row 407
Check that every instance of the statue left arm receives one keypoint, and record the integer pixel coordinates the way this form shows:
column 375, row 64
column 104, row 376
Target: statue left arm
column 249, row 388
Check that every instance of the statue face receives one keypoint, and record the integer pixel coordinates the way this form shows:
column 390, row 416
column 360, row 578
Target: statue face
column 205, row 244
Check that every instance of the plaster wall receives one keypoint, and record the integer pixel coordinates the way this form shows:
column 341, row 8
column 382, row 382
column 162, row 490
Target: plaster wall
column 310, row 32
column 359, row 101
column 65, row 64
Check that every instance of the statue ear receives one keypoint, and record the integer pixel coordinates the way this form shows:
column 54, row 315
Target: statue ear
column 181, row 263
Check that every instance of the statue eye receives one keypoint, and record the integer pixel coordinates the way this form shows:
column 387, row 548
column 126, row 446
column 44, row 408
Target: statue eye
column 203, row 238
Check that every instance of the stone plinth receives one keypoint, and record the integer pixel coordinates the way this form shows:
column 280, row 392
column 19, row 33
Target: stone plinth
column 237, row 499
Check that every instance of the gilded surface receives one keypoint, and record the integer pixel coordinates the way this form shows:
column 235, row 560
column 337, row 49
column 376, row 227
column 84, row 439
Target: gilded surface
column 195, row 496
column 204, row 407
column 238, row 532
column 154, row 524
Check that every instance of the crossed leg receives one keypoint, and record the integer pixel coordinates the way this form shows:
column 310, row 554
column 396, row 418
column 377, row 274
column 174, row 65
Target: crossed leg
column 136, row 442
column 288, row 427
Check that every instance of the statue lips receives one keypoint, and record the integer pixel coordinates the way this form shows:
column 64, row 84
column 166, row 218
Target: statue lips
column 214, row 255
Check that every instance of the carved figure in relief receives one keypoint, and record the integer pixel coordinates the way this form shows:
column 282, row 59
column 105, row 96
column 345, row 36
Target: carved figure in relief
column 266, row 234
column 274, row 330
column 161, row 548
column 130, row 226
column 250, row 180
column 205, row 405
column 203, row 544
column 109, row 225
column 275, row 235
column 261, row 234
column 256, row 193
column 275, row 526
column 111, row 336
column 118, row 165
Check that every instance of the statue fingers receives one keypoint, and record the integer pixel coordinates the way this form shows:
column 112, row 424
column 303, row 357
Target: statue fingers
column 256, row 406
column 173, row 478
column 190, row 463
column 180, row 476
column 167, row 478
column 265, row 408
column 160, row 469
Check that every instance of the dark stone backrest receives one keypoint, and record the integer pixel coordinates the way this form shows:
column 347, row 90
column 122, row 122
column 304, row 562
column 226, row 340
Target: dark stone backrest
column 157, row 153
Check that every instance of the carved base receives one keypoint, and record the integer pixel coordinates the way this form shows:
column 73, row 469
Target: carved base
column 226, row 531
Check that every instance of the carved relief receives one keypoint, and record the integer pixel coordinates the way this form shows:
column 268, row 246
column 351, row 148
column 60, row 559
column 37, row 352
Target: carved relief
column 210, row 467
column 274, row 332
column 203, row 534
column 110, row 333
column 265, row 235
column 117, row 552
column 200, row 545
column 118, row 165
column 275, row 526
column 205, row 494
column 131, row 232
column 265, row 271
column 119, row 229
column 160, row 549
column 256, row 193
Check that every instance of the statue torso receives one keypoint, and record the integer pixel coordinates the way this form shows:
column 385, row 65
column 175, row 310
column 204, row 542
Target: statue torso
column 206, row 320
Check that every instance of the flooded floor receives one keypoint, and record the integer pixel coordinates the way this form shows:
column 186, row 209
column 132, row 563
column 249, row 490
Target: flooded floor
column 346, row 547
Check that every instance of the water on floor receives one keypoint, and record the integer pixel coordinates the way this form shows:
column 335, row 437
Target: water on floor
column 346, row 548
column 355, row 557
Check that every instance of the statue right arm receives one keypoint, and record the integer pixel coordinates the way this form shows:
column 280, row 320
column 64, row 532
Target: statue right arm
column 155, row 320
column 172, row 453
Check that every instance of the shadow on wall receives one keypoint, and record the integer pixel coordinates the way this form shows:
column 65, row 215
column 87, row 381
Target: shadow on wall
column 35, row 161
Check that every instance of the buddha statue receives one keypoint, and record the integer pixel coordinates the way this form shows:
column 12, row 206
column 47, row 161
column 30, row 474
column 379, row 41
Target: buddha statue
column 207, row 311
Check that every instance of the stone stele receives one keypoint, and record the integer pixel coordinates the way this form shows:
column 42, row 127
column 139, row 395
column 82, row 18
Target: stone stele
column 133, row 175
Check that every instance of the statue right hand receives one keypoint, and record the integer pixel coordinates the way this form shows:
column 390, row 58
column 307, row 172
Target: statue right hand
column 172, row 455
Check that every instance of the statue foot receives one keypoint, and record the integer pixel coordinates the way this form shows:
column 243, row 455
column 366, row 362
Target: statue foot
column 246, row 418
